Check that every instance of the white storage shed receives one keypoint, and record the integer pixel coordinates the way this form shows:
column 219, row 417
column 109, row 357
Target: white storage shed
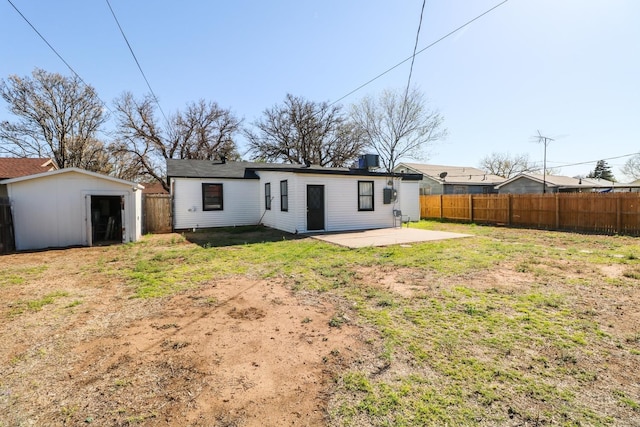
column 73, row 207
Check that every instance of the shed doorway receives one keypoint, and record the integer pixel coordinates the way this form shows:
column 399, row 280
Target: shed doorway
column 106, row 220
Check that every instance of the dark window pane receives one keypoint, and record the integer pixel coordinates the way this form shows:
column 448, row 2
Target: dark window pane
column 267, row 196
column 284, row 196
column 211, row 197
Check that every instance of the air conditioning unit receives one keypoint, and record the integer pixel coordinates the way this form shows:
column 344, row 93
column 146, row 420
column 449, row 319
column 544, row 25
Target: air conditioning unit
column 367, row 161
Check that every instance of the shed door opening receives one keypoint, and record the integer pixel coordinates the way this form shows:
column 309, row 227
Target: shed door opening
column 106, row 219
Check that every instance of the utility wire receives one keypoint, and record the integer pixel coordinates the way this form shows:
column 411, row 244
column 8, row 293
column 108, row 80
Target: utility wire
column 594, row 161
column 57, row 53
column 413, row 57
column 155, row 98
column 48, row 44
column 419, row 52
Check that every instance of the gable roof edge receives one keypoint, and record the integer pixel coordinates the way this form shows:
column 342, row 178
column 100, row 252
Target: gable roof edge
column 69, row 170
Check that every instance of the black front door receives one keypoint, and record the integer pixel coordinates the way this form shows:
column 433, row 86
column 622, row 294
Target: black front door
column 315, row 207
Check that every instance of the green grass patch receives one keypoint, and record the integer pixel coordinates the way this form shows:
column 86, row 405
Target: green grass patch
column 36, row 304
column 459, row 351
column 12, row 276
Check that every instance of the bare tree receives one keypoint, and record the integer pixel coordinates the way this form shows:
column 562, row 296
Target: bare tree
column 58, row 117
column 398, row 124
column 204, row 131
column 506, row 165
column 631, row 168
column 127, row 166
column 301, row 131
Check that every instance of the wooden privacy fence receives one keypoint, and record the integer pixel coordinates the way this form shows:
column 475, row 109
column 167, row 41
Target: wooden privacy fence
column 7, row 241
column 608, row 213
column 157, row 213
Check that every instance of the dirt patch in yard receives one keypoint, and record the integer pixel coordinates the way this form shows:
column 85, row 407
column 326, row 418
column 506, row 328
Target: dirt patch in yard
column 79, row 349
column 234, row 352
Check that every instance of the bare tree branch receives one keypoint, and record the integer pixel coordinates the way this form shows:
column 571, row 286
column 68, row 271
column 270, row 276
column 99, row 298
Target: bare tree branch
column 397, row 126
column 58, row 117
column 300, row 131
column 204, row 131
column 506, row 165
column 631, row 168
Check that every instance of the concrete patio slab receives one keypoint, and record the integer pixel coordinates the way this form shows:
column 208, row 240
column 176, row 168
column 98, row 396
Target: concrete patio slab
column 385, row 237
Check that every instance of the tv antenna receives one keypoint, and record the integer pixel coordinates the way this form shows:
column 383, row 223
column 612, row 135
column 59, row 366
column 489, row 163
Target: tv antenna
column 545, row 140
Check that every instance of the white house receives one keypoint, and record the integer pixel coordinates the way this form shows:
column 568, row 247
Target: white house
column 70, row 207
column 292, row 198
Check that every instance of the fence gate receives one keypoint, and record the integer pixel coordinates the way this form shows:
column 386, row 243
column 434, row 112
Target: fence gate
column 7, row 241
column 157, row 213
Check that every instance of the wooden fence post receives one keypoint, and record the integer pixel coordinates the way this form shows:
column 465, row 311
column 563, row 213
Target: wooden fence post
column 618, row 215
column 557, row 212
column 470, row 208
column 441, row 209
column 509, row 209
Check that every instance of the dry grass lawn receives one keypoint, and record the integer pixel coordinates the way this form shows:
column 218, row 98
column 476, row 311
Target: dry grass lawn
column 511, row 327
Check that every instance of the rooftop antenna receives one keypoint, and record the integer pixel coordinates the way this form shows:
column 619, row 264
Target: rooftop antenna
column 545, row 140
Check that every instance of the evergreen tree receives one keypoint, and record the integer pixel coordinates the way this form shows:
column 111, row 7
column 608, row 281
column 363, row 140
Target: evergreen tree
column 602, row 171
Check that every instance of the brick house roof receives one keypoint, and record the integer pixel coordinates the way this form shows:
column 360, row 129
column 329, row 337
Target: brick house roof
column 14, row 168
column 153, row 188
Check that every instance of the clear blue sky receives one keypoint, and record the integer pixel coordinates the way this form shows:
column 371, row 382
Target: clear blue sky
column 569, row 68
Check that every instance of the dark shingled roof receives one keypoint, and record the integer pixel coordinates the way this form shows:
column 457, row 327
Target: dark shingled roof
column 246, row 170
column 209, row 169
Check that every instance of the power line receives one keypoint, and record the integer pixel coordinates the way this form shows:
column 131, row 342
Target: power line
column 56, row 52
column 594, row 161
column 415, row 47
column 419, row 52
column 155, row 98
column 48, row 44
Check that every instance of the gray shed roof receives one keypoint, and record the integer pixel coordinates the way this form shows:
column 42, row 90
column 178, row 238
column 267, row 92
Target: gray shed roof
column 247, row 170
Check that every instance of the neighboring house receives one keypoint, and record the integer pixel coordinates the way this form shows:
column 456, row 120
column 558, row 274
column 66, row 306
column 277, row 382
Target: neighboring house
column 292, row 198
column 529, row 183
column 70, row 207
column 438, row 179
column 633, row 186
column 16, row 167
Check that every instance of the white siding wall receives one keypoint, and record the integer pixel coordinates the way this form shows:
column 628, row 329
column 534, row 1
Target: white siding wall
column 276, row 218
column 341, row 202
column 51, row 211
column 136, row 216
column 409, row 199
column 241, row 203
